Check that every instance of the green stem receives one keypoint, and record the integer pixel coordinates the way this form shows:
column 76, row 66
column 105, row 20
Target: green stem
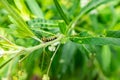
column 43, row 56
column 2, row 65
column 31, row 49
column 51, row 60
column 8, row 41
column 88, row 51
column 9, row 60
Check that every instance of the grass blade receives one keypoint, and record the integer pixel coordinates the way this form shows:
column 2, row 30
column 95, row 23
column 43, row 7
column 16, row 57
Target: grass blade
column 62, row 14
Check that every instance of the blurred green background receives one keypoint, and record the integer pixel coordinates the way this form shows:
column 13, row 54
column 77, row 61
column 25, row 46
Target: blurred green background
column 73, row 61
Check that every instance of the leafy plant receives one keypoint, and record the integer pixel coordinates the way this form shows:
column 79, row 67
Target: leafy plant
column 62, row 40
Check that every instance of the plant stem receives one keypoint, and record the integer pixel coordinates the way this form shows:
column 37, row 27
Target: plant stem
column 31, row 49
column 7, row 40
column 23, row 58
column 88, row 51
column 18, row 54
column 51, row 60
column 43, row 56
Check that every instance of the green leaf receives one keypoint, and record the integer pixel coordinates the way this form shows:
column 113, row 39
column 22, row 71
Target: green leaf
column 20, row 4
column 21, row 25
column 91, row 5
column 67, row 54
column 84, row 34
column 62, row 14
column 31, row 61
column 17, row 30
column 106, row 58
column 94, row 22
column 34, row 7
column 96, row 40
column 115, row 34
column 62, row 27
column 42, row 27
column 42, row 24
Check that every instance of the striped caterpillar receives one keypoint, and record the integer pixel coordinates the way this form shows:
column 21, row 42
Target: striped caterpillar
column 49, row 38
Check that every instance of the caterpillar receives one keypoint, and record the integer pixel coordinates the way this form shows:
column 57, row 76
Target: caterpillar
column 49, row 38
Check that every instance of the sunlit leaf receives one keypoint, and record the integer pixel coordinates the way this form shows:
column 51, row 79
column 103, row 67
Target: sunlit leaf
column 21, row 25
column 97, row 40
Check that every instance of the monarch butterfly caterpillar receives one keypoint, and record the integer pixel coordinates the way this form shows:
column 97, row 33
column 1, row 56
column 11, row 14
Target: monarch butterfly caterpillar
column 49, row 38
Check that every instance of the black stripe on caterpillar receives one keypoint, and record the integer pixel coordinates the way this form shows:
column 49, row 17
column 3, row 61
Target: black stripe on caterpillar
column 44, row 39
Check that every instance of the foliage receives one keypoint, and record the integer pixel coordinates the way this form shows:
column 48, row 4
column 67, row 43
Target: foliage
column 59, row 40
